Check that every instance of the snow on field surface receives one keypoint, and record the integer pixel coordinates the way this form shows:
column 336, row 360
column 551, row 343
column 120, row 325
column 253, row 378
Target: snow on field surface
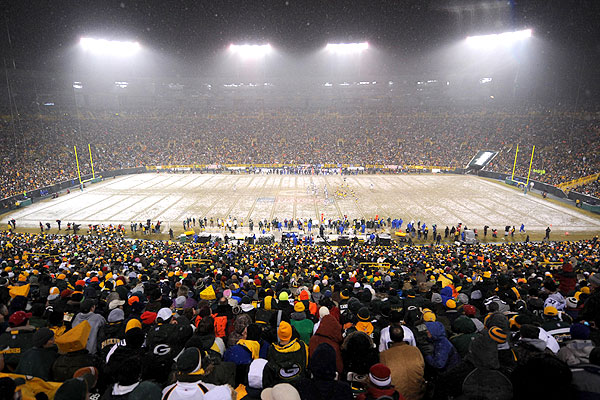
column 433, row 199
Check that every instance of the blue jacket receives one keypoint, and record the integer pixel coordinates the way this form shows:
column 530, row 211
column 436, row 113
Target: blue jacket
column 444, row 354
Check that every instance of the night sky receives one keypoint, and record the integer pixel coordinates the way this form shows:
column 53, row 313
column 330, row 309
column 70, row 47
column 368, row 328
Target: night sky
column 188, row 31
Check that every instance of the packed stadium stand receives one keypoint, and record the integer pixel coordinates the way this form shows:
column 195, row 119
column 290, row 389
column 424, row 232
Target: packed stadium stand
column 103, row 314
column 38, row 149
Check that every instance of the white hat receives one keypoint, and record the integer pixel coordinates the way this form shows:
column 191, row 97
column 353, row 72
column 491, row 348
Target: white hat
column 115, row 303
column 323, row 311
column 164, row 314
column 281, row 391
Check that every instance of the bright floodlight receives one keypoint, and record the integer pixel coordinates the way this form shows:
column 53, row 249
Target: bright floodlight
column 251, row 51
column 346, row 48
column 109, row 47
column 499, row 39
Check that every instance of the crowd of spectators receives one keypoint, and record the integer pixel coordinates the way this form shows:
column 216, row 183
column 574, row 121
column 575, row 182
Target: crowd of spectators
column 591, row 189
column 38, row 150
column 125, row 319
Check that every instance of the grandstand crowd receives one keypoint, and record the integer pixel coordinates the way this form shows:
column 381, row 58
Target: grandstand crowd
column 38, row 150
column 591, row 189
column 102, row 316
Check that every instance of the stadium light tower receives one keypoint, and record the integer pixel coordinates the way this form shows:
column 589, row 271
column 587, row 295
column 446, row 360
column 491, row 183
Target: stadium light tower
column 499, row 39
column 346, row 48
column 251, row 51
column 109, row 47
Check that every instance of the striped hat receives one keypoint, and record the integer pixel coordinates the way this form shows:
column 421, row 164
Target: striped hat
column 54, row 293
column 497, row 335
column 380, row 375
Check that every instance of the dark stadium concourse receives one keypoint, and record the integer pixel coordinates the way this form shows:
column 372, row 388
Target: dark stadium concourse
column 300, row 200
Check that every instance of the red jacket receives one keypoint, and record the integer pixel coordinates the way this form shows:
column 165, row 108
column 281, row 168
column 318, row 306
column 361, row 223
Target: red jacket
column 567, row 278
column 330, row 332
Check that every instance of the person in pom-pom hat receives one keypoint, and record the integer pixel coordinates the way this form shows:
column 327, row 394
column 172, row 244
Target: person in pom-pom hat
column 380, row 384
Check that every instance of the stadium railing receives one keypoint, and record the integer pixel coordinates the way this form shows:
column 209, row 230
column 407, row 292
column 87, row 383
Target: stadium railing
column 9, row 203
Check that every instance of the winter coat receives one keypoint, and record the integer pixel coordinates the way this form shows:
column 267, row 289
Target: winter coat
column 479, row 372
column 38, row 362
column 576, row 352
column 526, row 348
column 313, row 389
column 164, row 342
column 359, row 353
column 444, row 354
column 330, row 332
column 408, row 367
column 96, row 321
column 567, row 278
column 65, row 365
column 591, row 308
column 220, row 373
column 108, row 336
column 289, row 361
column 117, row 357
column 242, row 353
column 323, row 384
column 586, row 381
column 465, row 331
column 303, row 325
column 14, row 342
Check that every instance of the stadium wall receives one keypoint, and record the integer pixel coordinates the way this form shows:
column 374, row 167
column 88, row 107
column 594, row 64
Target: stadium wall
column 8, row 204
column 553, row 190
column 589, row 203
column 593, row 201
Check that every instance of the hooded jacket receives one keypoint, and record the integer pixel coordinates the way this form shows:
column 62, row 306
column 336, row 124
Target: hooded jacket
column 359, row 353
column 444, row 354
column 477, row 372
column 567, row 278
column 330, row 332
column 96, row 321
column 303, row 325
column 37, row 362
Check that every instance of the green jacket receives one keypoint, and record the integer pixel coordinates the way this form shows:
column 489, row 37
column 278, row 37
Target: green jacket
column 14, row 342
column 288, row 361
column 37, row 362
column 304, row 327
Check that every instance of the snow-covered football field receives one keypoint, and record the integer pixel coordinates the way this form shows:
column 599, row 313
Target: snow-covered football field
column 433, row 199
